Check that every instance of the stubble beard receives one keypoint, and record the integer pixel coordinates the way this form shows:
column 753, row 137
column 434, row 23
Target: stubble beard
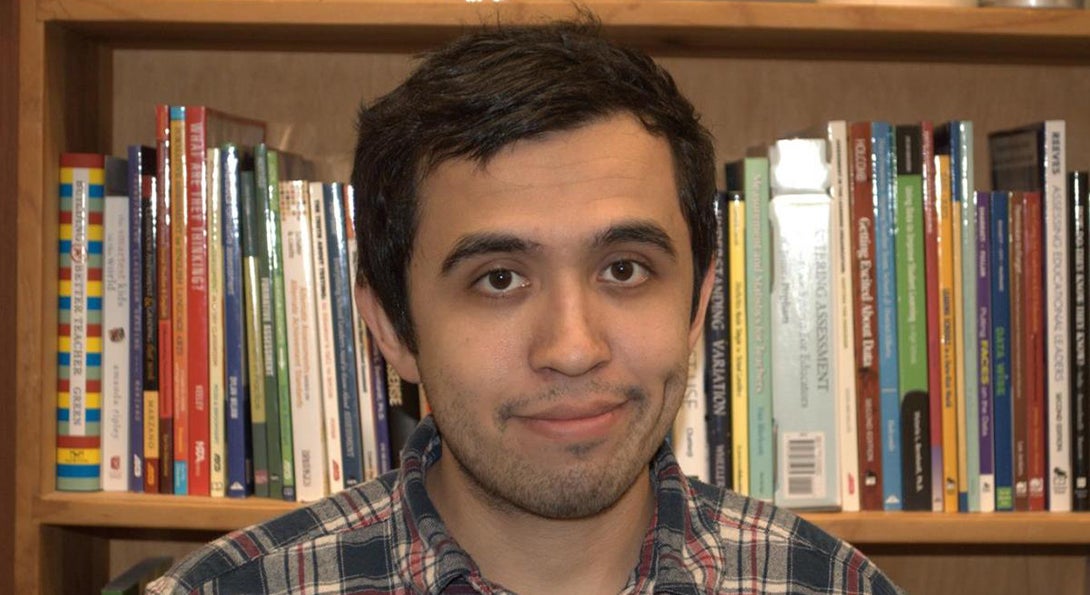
column 590, row 484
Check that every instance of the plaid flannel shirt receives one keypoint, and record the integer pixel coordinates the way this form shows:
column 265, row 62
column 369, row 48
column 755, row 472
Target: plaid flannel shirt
column 385, row 536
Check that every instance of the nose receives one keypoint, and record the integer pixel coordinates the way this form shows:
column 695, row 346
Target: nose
column 570, row 335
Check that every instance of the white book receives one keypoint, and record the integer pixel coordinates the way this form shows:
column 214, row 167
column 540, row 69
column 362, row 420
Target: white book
column 803, row 327
column 327, row 358
column 1057, row 323
column 304, row 373
column 217, row 373
column 368, row 434
column 115, row 461
column 843, row 290
column 690, row 431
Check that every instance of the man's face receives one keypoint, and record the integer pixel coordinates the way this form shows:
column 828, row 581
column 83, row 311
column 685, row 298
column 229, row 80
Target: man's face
column 551, row 294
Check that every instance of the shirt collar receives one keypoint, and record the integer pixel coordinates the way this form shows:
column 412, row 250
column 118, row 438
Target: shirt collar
column 429, row 558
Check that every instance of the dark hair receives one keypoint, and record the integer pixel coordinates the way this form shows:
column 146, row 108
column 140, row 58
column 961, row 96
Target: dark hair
column 489, row 89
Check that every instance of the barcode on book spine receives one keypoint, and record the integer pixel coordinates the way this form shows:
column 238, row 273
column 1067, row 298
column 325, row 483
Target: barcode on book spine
column 804, row 474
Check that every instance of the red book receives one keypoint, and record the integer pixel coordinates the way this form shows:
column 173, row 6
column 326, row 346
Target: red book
column 934, row 312
column 165, row 462
column 864, row 304
column 199, row 464
column 1034, row 338
column 1018, row 350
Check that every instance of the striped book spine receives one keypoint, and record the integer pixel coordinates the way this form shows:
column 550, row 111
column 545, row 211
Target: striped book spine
column 79, row 322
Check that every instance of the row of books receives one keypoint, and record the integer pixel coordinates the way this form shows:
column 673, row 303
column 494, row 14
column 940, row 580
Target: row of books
column 889, row 339
column 208, row 338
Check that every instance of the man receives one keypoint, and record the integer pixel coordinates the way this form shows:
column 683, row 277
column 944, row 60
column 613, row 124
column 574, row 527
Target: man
column 536, row 247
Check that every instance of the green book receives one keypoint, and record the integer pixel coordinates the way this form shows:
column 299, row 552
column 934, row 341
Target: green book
column 280, row 327
column 134, row 580
column 253, row 262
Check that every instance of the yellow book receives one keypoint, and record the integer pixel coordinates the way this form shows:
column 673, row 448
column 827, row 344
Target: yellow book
column 736, row 282
column 217, row 373
column 948, row 342
column 959, row 358
column 179, row 289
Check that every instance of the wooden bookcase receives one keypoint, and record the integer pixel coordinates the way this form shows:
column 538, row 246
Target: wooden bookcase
column 90, row 70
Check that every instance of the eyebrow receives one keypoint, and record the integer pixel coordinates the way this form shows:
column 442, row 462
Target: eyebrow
column 479, row 244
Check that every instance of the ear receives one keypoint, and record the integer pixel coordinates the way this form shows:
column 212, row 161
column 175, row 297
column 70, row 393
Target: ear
column 697, row 325
column 382, row 329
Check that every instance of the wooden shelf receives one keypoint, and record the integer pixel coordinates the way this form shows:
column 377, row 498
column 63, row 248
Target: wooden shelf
column 102, row 509
column 668, row 26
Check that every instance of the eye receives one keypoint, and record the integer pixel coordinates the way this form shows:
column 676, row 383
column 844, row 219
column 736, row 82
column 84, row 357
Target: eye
column 626, row 272
column 499, row 282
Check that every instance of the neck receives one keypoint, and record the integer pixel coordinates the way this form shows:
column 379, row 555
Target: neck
column 531, row 554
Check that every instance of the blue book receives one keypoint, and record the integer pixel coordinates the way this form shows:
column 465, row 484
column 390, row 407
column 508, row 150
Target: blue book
column 1001, row 347
column 717, row 356
column 137, row 166
column 885, row 255
column 234, row 355
column 343, row 334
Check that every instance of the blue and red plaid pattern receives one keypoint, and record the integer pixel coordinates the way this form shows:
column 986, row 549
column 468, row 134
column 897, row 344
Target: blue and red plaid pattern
column 385, row 536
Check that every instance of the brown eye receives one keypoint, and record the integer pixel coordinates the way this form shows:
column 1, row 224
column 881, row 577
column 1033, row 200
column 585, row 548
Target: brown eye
column 623, row 270
column 626, row 273
column 500, row 280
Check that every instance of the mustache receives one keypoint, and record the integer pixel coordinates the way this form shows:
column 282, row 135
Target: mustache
column 627, row 392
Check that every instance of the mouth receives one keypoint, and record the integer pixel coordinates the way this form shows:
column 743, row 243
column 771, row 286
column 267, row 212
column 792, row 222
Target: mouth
column 574, row 423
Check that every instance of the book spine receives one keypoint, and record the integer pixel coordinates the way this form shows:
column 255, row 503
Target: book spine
column 868, row 393
column 736, row 290
column 343, row 336
column 280, row 328
column 255, row 291
column 1057, row 253
column 759, row 335
column 116, row 332
column 1035, row 378
column 1002, row 427
column 934, row 351
column 378, row 389
column 1019, row 395
column 985, row 348
column 690, row 432
column 962, row 460
column 841, row 245
column 268, row 326
column 149, row 238
column 238, row 458
column 179, row 287
column 304, row 373
column 327, row 359
column 196, row 329
column 164, row 277
column 79, row 323
column 962, row 175
column 885, row 253
column 717, row 365
column 217, row 372
column 368, row 445
column 805, row 408
column 946, row 331
column 135, row 396
column 1079, row 198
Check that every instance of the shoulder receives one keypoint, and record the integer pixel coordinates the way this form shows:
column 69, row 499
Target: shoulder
column 765, row 545
column 306, row 541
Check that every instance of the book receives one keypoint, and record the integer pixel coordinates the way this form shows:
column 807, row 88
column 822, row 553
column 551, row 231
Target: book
column 985, row 343
column 146, row 411
column 304, row 373
column 368, row 437
column 802, row 326
column 690, row 432
column 116, row 332
column 179, row 289
column 331, row 408
column 884, row 184
column 378, row 388
column 1032, row 158
column 79, row 322
column 836, row 134
column 946, row 330
column 135, row 578
column 165, row 298
column 1034, row 378
column 341, row 297
column 255, row 289
column 217, row 357
column 736, row 307
column 239, row 454
column 717, row 358
column 1019, row 394
column 280, row 328
column 1079, row 199
column 196, row 328
column 141, row 188
column 865, row 310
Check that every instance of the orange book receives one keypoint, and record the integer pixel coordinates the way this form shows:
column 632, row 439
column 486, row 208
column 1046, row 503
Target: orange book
column 947, row 310
column 163, row 467
column 1034, row 351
